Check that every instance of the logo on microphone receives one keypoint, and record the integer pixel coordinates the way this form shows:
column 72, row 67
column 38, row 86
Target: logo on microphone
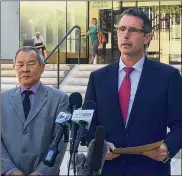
column 82, row 115
column 63, row 117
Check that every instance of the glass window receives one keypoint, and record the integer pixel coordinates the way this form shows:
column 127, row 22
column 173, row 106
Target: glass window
column 101, row 10
column 152, row 11
column 170, row 16
column 76, row 15
column 128, row 4
column 49, row 18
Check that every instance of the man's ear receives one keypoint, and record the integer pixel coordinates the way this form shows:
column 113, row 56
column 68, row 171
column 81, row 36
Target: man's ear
column 148, row 38
column 14, row 66
column 42, row 67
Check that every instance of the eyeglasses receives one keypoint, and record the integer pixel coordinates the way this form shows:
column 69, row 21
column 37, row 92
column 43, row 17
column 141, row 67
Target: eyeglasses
column 131, row 30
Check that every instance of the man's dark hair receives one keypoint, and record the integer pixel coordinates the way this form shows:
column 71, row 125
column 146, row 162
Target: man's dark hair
column 147, row 26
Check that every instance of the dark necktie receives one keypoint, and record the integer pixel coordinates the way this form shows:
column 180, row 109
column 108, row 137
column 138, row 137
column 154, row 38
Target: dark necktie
column 26, row 103
column 124, row 93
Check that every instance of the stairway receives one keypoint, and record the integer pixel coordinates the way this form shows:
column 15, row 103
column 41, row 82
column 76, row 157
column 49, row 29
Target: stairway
column 49, row 77
column 77, row 78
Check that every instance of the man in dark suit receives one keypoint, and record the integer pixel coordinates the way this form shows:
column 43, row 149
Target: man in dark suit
column 28, row 119
column 137, row 99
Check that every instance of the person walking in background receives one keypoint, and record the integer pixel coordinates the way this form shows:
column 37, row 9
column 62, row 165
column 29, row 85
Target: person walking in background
column 93, row 33
column 40, row 44
column 28, row 119
column 140, row 98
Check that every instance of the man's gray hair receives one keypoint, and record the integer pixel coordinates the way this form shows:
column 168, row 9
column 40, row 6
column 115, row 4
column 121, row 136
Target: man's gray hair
column 29, row 49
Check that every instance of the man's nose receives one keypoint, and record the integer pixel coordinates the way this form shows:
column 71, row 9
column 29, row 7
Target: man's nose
column 126, row 33
column 26, row 68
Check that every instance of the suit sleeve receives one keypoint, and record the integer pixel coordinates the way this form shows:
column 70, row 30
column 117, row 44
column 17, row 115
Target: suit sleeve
column 42, row 168
column 173, row 139
column 91, row 95
column 6, row 161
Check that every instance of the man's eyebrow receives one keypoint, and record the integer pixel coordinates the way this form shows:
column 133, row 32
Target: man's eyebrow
column 19, row 61
column 31, row 61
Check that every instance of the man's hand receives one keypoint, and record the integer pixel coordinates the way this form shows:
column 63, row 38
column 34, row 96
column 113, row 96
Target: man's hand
column 17, row 173
column 35, row 174
column 158, row 154
column 109, row 155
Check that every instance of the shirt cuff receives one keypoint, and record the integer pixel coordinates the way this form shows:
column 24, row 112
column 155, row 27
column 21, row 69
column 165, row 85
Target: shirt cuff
column 10, row 171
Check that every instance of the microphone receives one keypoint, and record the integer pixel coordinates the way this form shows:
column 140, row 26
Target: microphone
column 63, row 120
column 96, row 154
column 83, row 118
column 76, row 102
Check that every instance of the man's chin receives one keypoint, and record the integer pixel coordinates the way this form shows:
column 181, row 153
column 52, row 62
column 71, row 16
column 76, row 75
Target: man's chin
column 26, row 84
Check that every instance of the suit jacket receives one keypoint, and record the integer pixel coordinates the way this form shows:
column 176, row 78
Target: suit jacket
column 157, row 104
column 25, row 143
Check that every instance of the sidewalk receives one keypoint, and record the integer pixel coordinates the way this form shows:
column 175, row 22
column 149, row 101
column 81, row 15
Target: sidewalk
column 175, row 166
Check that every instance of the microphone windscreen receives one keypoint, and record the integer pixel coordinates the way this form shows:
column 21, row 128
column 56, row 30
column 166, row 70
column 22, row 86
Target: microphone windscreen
column 89, row 104
column 98, row 149
column 96, row 153
column 75, row 99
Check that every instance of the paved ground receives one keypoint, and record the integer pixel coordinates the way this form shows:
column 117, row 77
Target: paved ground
column 175, row 166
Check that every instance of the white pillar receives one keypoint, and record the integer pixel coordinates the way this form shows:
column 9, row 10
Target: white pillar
column 9, row 28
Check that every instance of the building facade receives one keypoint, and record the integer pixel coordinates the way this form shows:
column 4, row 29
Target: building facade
column 55, row 18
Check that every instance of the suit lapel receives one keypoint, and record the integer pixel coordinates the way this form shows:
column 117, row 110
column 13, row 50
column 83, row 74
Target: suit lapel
column 18, row 107
column 142, row 90
column 40, row 100
column 113, row 97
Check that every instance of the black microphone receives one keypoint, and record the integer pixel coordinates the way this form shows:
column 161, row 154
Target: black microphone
column 96, row 154
column 63, row 121
column 83, row 118
column 76, row 102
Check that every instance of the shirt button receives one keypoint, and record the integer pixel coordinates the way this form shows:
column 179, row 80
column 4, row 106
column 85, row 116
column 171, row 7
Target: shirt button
column 25, row 131
column 24, row 150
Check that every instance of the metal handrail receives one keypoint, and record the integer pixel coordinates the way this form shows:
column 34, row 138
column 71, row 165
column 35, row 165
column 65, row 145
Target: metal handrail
column 57, row 47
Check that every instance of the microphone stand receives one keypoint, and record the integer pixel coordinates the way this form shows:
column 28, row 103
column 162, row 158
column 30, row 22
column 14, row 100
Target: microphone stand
column 72, row 143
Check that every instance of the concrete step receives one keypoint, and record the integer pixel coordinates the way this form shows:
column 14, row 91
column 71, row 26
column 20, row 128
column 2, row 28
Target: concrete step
column 90, row 67
column 53, row 67
column 81, row 74
column 78, row 81
column 13, row 80
column 71, row 89
column 46, row 74
column 10, row 86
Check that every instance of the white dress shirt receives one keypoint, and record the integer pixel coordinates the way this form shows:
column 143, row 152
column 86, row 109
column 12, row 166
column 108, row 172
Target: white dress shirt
column 134, row 77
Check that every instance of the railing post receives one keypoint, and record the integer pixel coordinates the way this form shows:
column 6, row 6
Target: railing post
column 79, row 43
column 58, row 50
column 58, row 68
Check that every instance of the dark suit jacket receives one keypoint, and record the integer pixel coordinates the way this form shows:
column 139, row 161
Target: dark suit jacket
column 157, row 105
